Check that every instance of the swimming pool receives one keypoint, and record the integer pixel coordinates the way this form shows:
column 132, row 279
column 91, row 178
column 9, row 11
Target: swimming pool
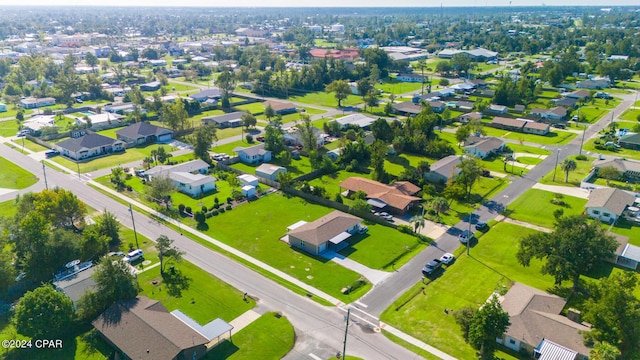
column 88, row 113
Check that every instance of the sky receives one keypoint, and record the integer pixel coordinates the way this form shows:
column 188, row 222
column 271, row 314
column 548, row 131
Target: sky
column 320, row 3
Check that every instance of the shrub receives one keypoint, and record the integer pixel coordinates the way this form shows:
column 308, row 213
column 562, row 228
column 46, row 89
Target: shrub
column 200, row 217
column 229, row 200
column 581, row 157
column 204, row 209
column 405, row 229
column 221, row 210
column 228, row 207
column 214, row 213
column 129, row 188
column 216, row 206
column 188, row 209
column 209, row 214
column 181, row 208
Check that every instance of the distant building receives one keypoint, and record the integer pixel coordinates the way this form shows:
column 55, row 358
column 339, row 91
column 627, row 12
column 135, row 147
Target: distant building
column 478, row 54
column 32, row 103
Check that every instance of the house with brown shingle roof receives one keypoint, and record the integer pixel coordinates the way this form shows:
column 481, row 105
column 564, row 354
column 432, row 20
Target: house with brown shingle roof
column 281, row 107
column 508, row 123
column 557, row 113
column 537, row 128
column 535, row 317
column 144, row 329
column 396, row 198
column 321, row 235
column 608, row 204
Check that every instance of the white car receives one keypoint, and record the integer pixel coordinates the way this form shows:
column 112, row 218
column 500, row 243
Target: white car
column 133, row 256
column 447, row 258
column 386, row 216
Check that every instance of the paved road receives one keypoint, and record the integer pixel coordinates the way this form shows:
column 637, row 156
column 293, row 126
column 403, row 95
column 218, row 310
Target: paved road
column 319, row 328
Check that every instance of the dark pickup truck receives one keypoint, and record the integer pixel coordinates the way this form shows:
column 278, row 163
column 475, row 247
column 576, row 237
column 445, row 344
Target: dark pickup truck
column 431, row 267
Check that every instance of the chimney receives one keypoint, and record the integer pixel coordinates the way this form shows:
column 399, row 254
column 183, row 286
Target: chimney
column 574, row 315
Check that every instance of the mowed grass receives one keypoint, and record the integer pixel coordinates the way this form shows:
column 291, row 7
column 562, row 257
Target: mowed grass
column 263, row 242
column 29, row 145
column 269, row 337
column 618, row 152
column 326, row 99
column 393, row 86
column 8, row 208
column 13, row 176
column 631, row 114
column 575, row 177
column 8, row 128
column 535, row 207
column 206, row 298
column 552, row 138
column 469, row 281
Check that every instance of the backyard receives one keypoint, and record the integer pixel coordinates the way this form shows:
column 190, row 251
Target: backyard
column 13, row 176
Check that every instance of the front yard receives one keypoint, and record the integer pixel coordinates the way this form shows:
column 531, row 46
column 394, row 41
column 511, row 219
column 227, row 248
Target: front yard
column 13, row 176
column 555, row 137
column 575, row 177
column 535, row 207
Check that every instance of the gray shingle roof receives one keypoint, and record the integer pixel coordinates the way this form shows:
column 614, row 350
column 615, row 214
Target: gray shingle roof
column 325, row 228
column 221, row 119
column 142, row 129
column 614, row 200
column 88, row 141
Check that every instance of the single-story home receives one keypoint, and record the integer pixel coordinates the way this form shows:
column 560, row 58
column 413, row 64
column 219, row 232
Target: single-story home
column 437, row 106
column 247, row 179
column 151, row 86
column 292, row 137
column 443, row 170
column 464, row 105
column 325, row 233
column 594, row 84
column 608, row 204
column 465, row 118
column 479, row 54
column 567, row 102
column 254, row 154
column 407, row 108
column 3, row 107
column 626, row 254
column 88, row 145
column 193, row 166
column 192, row 184
column 518, row 108
column 410, row 77
column 359, row 120
column 497, row 109
column 248, row 191
column 32, row 103
column 37, row 122
column 334, row 154
column 482, row 147
column 160, row 62
column 508, row 123
column 281, row 108
column 143, row 133
column 537, row 128
column 579, row 94
column 269, row 171
column 232, row 120
column 208, row 94
column 557, row 113
column 397, row 198
column 101, row 121
column 630, row 170
column 535, row 317
column 122, row 108
column 143, row 328
column 76, row 285
column 631, row 141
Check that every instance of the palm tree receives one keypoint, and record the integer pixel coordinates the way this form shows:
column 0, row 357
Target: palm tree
column 604, row 351
column 439, row 205
column 567, row 166
column 418, row 222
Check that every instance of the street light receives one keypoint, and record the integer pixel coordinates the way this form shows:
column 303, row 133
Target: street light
column 469, row 237
column 135, row 234
column 555, row 169
column 44, row 172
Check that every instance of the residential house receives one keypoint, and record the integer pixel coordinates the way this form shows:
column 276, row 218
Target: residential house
column 89, row 145
column 535, row 318
column 233, row 120
column 193, row 166
column 482, row 147
column 410, row 78
column 463, row 88
column 537, row 128
column 151, row 86
column 479, row 54
column 630, row 170
column 464, row 105
column 518, row 108
column 397, row 198
column 122, row 108
column 594, row 84
column 33, row 103
column 281, row 108
column 334, row 154
column 497, row 109
column 359, row 120
column 631, row 141
column 508, row 123
column 144, row 329
column 557, row 113
column 579, row 94
column 443, row 170
column 247, row 179
column 101, row 121
column 208, row 94
column 143, row 133
column 160, row 62
column 3, row 107
column 253, row 155
column 269, row 171
column 37, row 122
column 465, row 118
column 329, row 231
column 293, row 137
column 437, row 106
column 189, row 177
column 407, row 108
column 568, row 102
column 479, row 83
column 76, row 285
column 608, row 204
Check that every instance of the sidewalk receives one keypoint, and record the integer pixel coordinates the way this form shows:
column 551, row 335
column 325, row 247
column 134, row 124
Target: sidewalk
column 501, row 218
column 566, row 190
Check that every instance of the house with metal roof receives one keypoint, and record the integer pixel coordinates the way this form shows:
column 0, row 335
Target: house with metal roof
column 254, row 154
column 233, row 119
column 359, row 120
column 270, row 171
column 444, row 169
column 630, row 141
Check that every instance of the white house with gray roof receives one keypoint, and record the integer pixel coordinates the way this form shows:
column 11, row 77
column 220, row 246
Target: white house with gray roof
column 233, row 120
column 190, row 177
column 359, row 120
column 253, row 155
column 608, row 204
column 193, row 166
column 89, row 145
column 481, row 147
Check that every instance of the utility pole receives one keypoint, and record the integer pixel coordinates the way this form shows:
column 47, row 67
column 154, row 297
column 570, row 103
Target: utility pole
column 44, row 172
column 135, row 233
column 78, row 164
column 469, row 237
column 584, row 130
column 346, row 330
column 556, row 167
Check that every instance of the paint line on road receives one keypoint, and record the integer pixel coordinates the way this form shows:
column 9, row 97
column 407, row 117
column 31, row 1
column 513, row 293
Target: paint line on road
column 361, row 304
column 314, row 356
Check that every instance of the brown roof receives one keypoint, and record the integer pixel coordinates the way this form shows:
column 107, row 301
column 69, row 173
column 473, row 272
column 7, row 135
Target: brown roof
column 535, row 315
column 536, row 125
column 397, row 195
column 325, row 228
column 279, row 106
column 507, row 121
column 614, row 200
column 142, row 323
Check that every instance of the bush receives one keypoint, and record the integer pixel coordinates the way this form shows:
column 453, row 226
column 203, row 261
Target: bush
column 581, row 157
column 214, row 213
column 216, row 206
column 129, row 188
column 221, row 210
column 188, row 209
column 204, row 209
column 228, row 207
column 405, row 229
column 249, row 138
column 229, row 200
column 181, row 208
column 200, row 217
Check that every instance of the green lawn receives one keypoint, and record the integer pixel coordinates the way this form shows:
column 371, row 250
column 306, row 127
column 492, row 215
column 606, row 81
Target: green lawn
column 130, row 155
column 469, row 281
column 594, row 112
column 206, row 298
column 13, row 176
column 29, row 145
column 253, row 108
column 11, row 113
column 631, row 114
column 269, row 337
column 528, row 149
column 326, row 99
column 527, row 160
column 619, row 152
column 331, row 182
column 552, row 138
column 173, row 86
column 575, row 177
column 393, row 86
column 263, row 242
column 8, row 128
column 382, row 247
column 535, row 207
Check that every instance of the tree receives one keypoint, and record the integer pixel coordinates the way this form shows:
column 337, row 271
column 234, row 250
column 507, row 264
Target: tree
column 360, row 206
column 273, row 137
column 167, row 253
column 307, row 135
column 371, row 99
column 249, row 121
column 462, row 134
column 614, row 313
column 470, row 171
column 90, row 59
column 382, row 130
column 604, row 351
column 439, row 205
column 461, row 63
column 93, row 243
column 609, row 173
column 226, row 81
column 160, row 189
column 285, row 158
column 378, row 154
column 364, row 86
column 109, row 226
column 418, row 222
column 44, row 313
column 464, row 317
column 488, row 323
column 567, row 166
column 341, row 90
column 574, row 247
column 201, row 140
column 162, row 155
column 116, row 176
column 269, row 112
column 174, row 114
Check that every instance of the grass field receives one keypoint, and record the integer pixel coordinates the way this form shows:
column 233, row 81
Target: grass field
column 575, row 177
column 552, row 138
column 8, row 128
column 535, row 207
column 619, row 152
column 492, row 266
column 393, row 86
column 11, row 113
column 29, row 145
column 326, row 99
column 269, row 337
column 13, row 176
column 631, row 114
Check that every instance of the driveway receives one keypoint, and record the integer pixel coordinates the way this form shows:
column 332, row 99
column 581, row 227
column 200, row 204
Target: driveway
column 375, row 276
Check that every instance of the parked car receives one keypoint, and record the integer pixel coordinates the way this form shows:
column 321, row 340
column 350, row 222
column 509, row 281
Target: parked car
column 133, row 256
column 51, row 153
column 431, row 267
column 465, row 236
column 482, row 226
column 611, row 143
column 22, row 133
column 486, row 173
column 447, row 258
column 260, row 138
column 386, row 216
